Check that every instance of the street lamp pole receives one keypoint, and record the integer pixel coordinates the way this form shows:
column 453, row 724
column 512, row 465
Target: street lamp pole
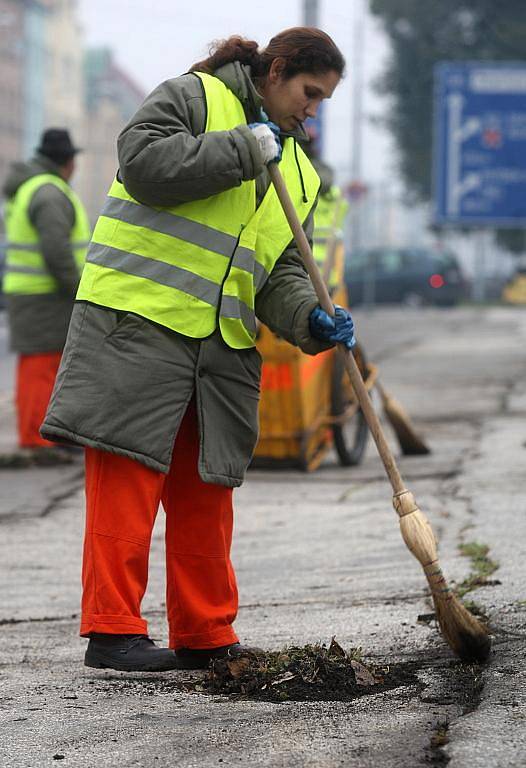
column 357, row 109
column 310, row 13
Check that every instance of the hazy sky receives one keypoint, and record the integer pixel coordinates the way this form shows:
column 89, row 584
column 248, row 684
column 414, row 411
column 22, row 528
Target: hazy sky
column 157, row 39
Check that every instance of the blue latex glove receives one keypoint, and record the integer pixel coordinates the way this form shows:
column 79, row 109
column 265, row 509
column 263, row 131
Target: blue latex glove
column 338, row 329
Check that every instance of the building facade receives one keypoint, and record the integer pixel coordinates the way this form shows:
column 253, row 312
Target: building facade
column 111, row 99
column 41, row 73
column 34, row 46
column 12, row 18
column 64, row 97
column 49, row 80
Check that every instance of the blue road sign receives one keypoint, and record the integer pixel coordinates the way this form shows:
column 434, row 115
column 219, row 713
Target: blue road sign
column 480, row 144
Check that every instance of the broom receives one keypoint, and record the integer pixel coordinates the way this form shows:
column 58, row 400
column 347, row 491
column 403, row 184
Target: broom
column 464, row 634
column 410, row 443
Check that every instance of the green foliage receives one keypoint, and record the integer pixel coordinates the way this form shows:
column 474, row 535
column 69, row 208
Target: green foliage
column 482, row 566
column 422, row 33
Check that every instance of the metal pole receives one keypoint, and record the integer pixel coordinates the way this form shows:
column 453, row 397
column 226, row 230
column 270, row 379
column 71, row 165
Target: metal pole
column 310, row 13
column 481, row 264
column 357, row 208
column 357, row 92
column 356, row 131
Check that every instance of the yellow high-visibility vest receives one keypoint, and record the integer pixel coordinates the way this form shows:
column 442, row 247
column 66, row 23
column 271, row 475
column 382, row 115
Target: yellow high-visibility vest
column 195, row 265
column 26, row 271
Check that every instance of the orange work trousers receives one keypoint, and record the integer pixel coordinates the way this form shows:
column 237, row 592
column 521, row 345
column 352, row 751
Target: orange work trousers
column 123, row 497
column 35, row 378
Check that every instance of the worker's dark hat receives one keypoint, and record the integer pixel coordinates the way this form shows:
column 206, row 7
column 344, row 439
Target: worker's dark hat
column 56, row 144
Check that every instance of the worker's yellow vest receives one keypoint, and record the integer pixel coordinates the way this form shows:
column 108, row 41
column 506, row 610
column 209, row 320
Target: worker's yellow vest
column 195, row 265
column 26, row 271
column 328, row 219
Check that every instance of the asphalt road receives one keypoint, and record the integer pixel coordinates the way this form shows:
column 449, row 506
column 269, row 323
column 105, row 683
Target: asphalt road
column 316, row 555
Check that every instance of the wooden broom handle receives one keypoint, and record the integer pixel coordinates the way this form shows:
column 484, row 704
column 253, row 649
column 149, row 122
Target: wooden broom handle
column 346, row 355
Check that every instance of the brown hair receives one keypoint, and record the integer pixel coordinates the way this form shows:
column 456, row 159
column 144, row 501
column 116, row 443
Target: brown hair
column 303, row 49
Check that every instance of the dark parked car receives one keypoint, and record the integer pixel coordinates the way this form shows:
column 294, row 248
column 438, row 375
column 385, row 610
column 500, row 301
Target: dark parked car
column 413, row 276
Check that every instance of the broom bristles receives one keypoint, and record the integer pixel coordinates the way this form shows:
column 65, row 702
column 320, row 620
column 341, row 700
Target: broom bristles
column 410, row 443
column 464, row 634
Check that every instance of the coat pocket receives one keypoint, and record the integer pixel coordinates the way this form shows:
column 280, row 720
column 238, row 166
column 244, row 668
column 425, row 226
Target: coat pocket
column 125, row 328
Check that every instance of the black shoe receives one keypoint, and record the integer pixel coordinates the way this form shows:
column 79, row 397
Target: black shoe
column 128, row 653
column 200, row 658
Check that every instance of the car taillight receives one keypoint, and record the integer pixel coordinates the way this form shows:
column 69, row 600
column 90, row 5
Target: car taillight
column 436, row 281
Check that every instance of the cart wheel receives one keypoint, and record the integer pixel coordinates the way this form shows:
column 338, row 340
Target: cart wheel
column 350, row 438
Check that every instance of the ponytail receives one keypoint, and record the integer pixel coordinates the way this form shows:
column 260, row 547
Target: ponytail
column 303, row 49
column 235, row 48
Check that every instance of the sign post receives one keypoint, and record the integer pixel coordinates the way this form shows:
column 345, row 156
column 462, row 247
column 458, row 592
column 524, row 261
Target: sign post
column 480, row 148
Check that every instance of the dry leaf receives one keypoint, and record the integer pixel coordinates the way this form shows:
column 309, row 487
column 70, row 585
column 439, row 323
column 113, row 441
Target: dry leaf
column 362, row 674
column 335, row 649
column 238, row 667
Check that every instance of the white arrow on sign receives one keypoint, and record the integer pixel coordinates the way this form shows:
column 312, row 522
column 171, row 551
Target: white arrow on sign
column 457, row 134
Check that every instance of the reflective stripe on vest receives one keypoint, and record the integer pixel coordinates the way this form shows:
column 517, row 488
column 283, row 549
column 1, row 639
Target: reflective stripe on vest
column 194, row 265
column 26, row 271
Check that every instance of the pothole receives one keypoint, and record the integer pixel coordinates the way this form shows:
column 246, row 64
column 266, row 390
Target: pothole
column 308, row 673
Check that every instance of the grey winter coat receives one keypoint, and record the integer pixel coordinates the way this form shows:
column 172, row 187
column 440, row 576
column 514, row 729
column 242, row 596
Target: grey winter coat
column 39, row 323
column 125, row 382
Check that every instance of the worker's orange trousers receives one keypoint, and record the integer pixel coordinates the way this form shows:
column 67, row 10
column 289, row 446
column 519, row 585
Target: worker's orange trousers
column 122, row 501
column 35, row 378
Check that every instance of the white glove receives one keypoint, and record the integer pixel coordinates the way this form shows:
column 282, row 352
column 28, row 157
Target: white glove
column 268, row 142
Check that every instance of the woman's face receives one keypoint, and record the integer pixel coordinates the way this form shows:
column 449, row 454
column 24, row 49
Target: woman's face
column 289, row 102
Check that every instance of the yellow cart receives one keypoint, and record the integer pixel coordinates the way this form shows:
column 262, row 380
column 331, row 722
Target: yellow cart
column 515, row 291
column 307, row 403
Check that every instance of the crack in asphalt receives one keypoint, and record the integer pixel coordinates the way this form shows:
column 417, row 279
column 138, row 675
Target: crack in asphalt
column 470, row 677
column 36, row 620
column 75, row 484
column 509, row 386
column 361, row 477
column 392, row 600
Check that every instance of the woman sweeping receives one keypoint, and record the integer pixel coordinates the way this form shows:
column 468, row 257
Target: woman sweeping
column 160, row 375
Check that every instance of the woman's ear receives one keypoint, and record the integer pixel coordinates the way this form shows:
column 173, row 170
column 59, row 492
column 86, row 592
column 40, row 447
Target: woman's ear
column 276, row 69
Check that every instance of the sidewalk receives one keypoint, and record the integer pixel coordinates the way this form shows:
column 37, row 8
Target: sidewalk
column 30, row 492
column 316, row 556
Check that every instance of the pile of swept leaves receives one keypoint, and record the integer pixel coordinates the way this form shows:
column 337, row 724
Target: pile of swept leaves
column 311, row 673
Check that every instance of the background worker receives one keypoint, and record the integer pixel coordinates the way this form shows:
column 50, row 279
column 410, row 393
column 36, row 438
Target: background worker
column 330, row 213
column 47, row 237
column 160, row 376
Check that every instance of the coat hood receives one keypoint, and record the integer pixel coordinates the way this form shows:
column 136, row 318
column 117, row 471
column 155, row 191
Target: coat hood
column 22, row 171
